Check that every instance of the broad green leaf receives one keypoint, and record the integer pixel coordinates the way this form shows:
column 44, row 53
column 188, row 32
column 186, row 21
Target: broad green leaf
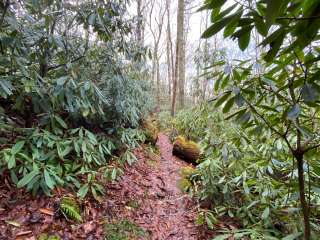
column 265, row 213
column 7, row 88
column 48, row 179
column 309, row 93
column 274, row 47
column 244, row 40
column 17, row 147
column 260, row 24
column 272, row 37
column 60, row 121
column 222, row 99
column 11, row 161
column 240, row 113
column 292, row 236
column 215, row 3
column 243, row 118
column 219, row 25
column 27, row 178
column 239, row 100
column 273, row 10
column 61, row 81
column 269, row 82
column 82, row 192
column 114, row 174
column 225, row 81
column 294, row 112
column 228, row 105
column 230, row 28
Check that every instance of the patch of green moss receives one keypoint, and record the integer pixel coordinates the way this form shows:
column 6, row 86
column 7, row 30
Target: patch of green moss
column 45, row 236
column 123, row 230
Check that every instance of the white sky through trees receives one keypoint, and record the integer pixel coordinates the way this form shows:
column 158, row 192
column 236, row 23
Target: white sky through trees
column 195, row 25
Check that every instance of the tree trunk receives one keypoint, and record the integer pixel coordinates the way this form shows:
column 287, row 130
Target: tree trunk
column 179, row 43
column 139, row 24
column 174, row 86
column 181, row 61
column 169, row 48
column 153, row 71
column 168, row 68
column 303, row 202
column 158, row 81
column 182, row 74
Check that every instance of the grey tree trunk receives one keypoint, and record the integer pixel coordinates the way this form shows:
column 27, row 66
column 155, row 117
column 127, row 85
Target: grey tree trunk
column 179, row 49
column 139, row 24
column 182, row 52
column 169, row 49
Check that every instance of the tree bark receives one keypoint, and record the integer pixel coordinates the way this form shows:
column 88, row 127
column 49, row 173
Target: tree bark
column 169, row 49
column 139, row 24
column 158, row 81
column 174, row 84
column 181, row 61
column 182, row 74
column 179, row 43
column 304, row 205
column 156, row 34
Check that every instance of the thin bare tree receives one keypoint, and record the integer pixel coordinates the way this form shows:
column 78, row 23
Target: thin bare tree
column 155, row 23
column 169, row 49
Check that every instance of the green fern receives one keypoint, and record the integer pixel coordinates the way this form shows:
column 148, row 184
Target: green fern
column 71, row 209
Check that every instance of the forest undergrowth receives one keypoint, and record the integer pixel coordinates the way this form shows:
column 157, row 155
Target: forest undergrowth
column 87, row 141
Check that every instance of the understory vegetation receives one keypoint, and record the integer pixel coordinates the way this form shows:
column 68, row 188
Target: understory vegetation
column 86, row 86
column 248, row 178
column 261, row 153
column 72, row 94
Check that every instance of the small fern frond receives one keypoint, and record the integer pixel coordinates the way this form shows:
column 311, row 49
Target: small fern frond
column 70, row 208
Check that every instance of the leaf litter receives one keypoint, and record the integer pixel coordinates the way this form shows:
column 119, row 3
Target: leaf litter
column 147, row 195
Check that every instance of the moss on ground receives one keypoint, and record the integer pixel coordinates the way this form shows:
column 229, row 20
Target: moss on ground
column 124, row 230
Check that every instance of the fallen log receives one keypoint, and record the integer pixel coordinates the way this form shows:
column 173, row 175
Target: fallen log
column 186, row 150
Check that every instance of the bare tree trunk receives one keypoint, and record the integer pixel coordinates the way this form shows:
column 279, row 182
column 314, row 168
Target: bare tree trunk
column 182, row 53
column 153, row 71
column 206, row 57
column 174, row 86
column 139, row 24
column 158, row 81
column 168, row 68
column 303, row 202
column 182, row 74
column 156, row 31
column 179, row 49
column 169, row 48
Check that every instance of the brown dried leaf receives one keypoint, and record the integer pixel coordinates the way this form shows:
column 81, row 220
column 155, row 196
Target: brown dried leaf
column 46, row 211
column 23, row 233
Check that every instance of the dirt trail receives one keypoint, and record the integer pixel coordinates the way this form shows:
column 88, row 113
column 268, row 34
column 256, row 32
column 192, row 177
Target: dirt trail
column 164, row 211
column 147, row 194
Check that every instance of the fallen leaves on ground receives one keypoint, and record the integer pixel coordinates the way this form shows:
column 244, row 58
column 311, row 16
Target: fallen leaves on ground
column 147, row 194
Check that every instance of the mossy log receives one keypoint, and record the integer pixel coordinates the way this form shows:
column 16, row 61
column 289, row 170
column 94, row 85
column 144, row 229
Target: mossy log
column 186, row 150
column 151, row 130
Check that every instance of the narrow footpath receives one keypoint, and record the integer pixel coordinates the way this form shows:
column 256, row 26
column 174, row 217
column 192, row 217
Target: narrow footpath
column 146, row 195
column 162, row 209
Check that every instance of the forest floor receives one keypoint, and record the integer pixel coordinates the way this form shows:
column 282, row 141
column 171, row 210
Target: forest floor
column 145, row 203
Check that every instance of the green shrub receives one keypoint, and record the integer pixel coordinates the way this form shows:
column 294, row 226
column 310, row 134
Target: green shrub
column 248, row 179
